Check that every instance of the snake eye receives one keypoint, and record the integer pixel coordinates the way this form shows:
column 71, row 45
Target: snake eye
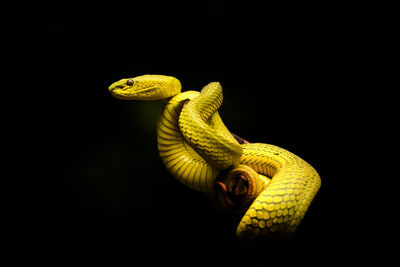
column 130, row 82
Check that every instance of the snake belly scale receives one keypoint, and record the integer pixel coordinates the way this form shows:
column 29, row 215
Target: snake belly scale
column 270, row 185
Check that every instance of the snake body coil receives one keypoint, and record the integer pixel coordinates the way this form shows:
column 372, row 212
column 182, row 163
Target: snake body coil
column 274, row 186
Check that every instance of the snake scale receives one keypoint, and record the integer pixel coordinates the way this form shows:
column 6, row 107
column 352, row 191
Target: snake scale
column 270, row 185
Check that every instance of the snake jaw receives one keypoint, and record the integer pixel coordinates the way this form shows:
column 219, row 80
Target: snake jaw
column 125, row 89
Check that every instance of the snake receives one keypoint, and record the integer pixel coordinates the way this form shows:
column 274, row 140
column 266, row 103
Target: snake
column 271, row 187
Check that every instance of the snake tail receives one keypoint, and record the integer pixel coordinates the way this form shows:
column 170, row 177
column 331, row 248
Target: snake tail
column 180, row 159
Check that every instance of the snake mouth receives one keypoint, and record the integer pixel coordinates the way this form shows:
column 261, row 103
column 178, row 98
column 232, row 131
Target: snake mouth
column 121, row 92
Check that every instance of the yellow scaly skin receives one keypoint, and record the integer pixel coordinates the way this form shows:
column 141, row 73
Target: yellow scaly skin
column 200, row 152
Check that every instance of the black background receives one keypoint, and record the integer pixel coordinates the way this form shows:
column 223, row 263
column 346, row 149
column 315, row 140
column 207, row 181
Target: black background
column 92, row 183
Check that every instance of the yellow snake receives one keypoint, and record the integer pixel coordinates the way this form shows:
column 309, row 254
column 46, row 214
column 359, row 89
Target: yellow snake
column 271, row 185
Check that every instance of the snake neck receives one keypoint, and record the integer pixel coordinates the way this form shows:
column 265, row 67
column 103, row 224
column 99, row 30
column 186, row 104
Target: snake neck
column 179, row 157
column 202, row 127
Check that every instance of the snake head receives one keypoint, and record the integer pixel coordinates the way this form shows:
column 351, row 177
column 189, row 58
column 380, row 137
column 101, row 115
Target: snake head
column 145, row 87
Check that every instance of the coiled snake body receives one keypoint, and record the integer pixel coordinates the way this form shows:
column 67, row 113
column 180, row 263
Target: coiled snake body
column 271, row 185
